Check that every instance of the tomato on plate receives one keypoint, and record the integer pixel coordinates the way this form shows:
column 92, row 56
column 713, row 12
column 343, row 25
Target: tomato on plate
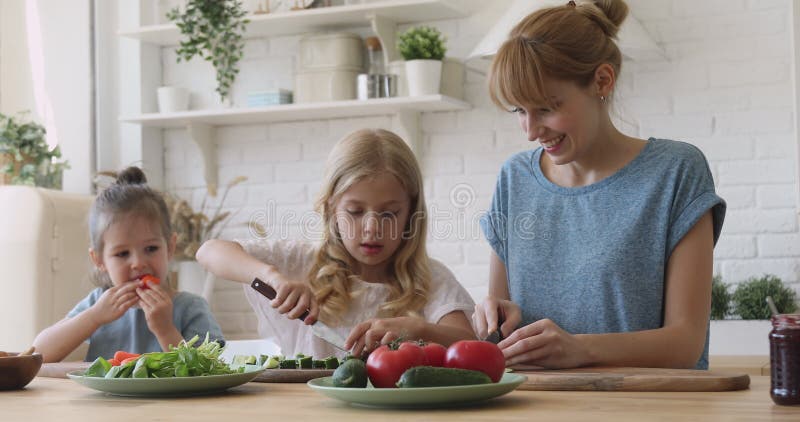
column 387, row 363
column 435, row 353
column 478, row 356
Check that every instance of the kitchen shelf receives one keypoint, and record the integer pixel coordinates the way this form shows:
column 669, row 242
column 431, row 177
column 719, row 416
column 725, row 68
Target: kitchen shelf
column 318, row 19
column 200, row 124
column 299, row 112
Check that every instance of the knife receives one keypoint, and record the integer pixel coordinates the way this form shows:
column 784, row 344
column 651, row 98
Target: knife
column 497, row 335
column 320, row 329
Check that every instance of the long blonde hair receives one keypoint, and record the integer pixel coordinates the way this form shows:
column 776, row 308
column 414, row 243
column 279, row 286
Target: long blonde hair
column 360, row 155
column 567, row 43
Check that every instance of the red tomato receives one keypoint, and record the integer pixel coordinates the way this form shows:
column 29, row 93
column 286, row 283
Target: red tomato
column 477, row 356
column 435, row 353
column 122, row 355
column 149, row 279
column 385, row 366
column 113, row 362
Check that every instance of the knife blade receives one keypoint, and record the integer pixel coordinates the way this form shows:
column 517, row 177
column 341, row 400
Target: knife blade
column 319, row 328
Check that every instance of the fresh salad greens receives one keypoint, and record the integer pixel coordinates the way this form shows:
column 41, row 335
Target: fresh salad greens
column 300, row 361
column 181, row 361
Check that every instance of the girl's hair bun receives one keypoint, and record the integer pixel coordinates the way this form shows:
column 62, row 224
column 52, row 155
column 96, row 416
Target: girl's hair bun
column 131, row 176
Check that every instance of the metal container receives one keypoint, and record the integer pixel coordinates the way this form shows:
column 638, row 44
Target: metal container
column 376, row 86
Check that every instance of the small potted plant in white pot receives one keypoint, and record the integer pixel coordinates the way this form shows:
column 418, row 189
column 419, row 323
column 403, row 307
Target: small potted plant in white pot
column 423, row 49
column 743, row 328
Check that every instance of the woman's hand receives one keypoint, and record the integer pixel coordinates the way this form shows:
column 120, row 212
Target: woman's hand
column 114, row 302
column 370, row 334
column 543, row 343
column 157, row 306
column 293, row 298
column 492, row 310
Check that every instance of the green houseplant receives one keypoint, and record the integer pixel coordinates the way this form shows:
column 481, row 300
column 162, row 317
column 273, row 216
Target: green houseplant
column 750, row 296
column 25, row 157
column 213, row 30
column 423, row 49
column 720, row 298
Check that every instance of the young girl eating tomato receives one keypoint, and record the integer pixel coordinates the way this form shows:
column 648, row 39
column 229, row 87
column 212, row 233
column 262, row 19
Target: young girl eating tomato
column 131, row 245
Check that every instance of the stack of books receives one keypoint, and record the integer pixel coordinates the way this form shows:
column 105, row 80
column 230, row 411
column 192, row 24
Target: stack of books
column 268, row 98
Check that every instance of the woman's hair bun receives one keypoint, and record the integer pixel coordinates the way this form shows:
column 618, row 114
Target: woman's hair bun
column 615, row 11
column 131, row 176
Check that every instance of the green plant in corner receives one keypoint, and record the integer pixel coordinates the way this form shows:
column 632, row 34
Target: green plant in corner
column 720, row 298
column 214, row 30
column 750, row 296
column 25, row 156
column 421, row 43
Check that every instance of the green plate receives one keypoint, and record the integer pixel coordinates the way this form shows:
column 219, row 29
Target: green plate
column 426, row 397
column 150, row 387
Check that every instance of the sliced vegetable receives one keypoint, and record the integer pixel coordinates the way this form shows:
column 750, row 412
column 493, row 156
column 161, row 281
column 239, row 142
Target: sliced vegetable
column 331, row 362
column 148, row 279
column 122, row 355
column 305, row 362
column 98, row 368
column 287, row 364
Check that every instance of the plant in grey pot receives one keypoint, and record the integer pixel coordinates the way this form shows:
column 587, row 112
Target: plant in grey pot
column 25, row 156
column 214, row 31
column 423, row 49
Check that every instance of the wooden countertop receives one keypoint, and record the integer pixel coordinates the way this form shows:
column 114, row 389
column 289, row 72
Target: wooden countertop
column 46, row 399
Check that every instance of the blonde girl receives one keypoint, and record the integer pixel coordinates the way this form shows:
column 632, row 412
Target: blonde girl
column 370, row 277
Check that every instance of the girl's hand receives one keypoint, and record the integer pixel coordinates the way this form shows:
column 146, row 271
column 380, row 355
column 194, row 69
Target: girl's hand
column 370, row 334
column 157, row 306
column 492, row 310
column 543, row 343
column 293, row 298
column 114, row 302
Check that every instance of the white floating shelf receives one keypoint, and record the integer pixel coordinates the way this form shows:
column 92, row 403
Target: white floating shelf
column 201, row 124
column 298, row 112
column 313, row 20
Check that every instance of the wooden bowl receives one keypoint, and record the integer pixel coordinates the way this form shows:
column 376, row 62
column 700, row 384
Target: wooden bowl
column 17, row 371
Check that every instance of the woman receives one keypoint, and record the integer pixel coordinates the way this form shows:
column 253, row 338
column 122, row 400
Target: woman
column 602, row 243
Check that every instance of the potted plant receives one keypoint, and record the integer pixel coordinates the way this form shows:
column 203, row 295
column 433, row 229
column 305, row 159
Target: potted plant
column 213, row 30
column 745, row 325
column 25, row 157
column 423, row 49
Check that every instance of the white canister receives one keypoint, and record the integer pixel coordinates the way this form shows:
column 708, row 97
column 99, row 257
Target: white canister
column 325, row 85
column 172, row 99
column 330, row 50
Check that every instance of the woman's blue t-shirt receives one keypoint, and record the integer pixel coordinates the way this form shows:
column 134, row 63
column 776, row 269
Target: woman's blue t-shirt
column 593, row 258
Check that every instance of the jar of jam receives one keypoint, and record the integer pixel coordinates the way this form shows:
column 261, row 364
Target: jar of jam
column 784, row 355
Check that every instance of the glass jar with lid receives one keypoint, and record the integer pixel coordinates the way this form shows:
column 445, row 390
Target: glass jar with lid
column 784, row 353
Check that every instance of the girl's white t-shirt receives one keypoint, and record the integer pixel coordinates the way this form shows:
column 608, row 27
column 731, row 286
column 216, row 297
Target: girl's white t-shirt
column 293, row 260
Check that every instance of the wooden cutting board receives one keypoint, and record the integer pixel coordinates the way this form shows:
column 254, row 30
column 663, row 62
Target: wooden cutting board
column 631, row 379
column 292, row 375
column 60, row 369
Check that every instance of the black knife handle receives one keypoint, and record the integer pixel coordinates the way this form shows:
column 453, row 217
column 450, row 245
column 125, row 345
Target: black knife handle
column 267, row 290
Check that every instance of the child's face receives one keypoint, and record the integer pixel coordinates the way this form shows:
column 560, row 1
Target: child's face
column 371, row 216
column 133, row 247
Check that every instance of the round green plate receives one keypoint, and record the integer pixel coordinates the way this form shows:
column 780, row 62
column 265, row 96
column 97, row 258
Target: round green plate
column 150, row 387
column 418, row 397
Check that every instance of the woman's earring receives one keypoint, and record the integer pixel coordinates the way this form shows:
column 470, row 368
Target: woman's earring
column 603, row 99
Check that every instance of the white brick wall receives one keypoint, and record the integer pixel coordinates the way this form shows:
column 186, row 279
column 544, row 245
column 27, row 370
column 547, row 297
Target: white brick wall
column 726, row 88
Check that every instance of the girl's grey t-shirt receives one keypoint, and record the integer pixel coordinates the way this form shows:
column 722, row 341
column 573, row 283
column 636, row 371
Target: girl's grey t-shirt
column 190, row 314
column 593, row 258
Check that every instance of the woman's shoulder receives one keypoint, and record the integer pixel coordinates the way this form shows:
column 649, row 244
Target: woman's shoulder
column 677, row 151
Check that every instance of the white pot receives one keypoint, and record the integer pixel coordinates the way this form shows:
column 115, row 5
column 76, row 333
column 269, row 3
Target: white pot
column 172, row 99
column 739, row 337
column 193, row 278
column 424, row 77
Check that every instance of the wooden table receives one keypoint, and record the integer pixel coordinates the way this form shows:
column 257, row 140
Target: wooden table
column 51, row 399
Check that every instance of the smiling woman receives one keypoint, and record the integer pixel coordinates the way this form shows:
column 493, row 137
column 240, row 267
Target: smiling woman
column 623, row 238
